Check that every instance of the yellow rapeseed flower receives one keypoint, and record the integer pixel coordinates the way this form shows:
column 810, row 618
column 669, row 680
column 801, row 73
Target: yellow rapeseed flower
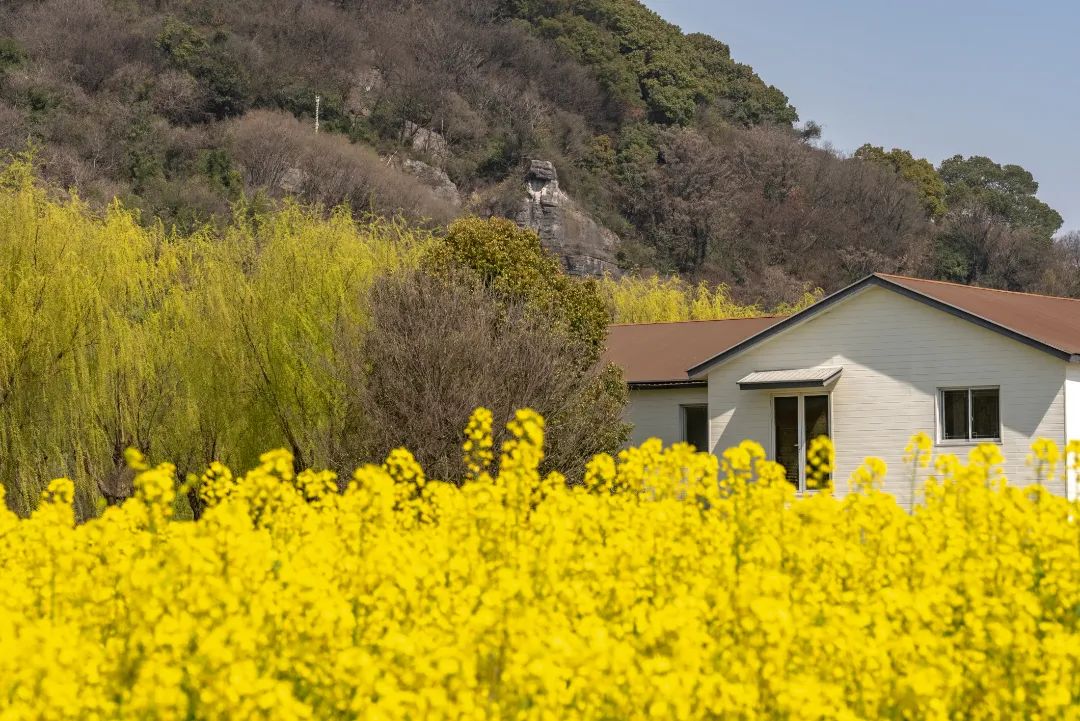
column 670, row 584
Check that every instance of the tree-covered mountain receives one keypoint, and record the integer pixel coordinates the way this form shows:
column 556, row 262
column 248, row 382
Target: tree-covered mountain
column 434, row 109
column 648, row 68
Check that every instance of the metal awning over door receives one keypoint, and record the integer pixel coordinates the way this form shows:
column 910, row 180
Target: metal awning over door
column 791, row 378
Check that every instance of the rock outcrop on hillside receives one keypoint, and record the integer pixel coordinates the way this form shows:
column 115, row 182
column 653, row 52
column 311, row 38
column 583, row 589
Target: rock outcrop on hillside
column 436, row 178
column 586, row 247
column 427, row 141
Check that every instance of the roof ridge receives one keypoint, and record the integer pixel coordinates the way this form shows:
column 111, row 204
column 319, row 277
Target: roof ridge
column 974, row 287
column 699, row 320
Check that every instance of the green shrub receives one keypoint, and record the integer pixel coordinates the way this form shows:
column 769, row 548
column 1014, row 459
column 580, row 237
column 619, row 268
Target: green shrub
column 12, row 54
column 510, row 261
column 211, row 63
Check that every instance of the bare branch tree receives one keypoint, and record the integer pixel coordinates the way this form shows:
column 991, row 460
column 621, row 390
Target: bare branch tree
column 437, row 349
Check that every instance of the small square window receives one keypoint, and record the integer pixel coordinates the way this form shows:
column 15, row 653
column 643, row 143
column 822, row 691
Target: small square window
column 970, row 414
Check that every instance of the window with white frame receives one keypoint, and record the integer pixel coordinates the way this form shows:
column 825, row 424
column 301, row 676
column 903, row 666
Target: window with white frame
column 969, row 414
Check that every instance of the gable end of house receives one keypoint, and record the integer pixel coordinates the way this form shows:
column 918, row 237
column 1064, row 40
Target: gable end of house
column 700, row 371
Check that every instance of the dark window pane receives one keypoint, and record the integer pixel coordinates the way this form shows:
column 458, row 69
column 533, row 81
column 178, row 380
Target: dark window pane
column 816, row 412
column 985, row 410
column 696, row 426
column 817, row 416
column 786, row 410
column 954, row 415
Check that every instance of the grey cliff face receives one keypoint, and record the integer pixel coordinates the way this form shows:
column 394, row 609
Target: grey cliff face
column 585, row 247
column 436, row 178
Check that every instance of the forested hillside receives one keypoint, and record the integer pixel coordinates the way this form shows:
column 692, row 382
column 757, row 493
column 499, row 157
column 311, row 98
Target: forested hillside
column 434, row 110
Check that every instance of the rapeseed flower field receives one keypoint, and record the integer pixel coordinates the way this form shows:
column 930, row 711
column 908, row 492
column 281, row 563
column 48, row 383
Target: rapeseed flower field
column 671, row 585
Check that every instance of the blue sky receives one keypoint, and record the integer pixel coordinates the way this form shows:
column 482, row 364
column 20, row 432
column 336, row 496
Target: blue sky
column 993, row 78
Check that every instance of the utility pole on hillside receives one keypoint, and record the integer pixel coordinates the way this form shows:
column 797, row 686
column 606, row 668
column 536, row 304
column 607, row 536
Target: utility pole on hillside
column 317, row 99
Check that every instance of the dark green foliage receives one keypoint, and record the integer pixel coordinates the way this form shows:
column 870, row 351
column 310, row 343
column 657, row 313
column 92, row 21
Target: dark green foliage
column 144, row 154
column 218, row 168
column 648, row 65
column 299, row 100
column 210, row 61
column 41, row 100
column 1007, row 191
column 501, row 155
column 997, row 232
column 736, row 88
column 12, row 54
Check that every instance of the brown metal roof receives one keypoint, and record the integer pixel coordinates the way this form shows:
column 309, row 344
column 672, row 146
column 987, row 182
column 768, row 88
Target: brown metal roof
column 1052, row 321
column 661, row 353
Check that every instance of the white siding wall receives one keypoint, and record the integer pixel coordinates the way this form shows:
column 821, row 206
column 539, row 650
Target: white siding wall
column 1072, row 418
column 896, row 352
column 655, row 412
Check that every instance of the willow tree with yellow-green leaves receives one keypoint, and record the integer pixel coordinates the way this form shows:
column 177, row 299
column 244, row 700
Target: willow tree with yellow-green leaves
column 200, row 347
column 269, row 300
column 652, row 299
column 670, row 584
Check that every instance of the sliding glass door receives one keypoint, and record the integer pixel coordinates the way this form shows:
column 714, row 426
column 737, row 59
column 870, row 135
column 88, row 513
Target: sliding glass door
column 797, row 420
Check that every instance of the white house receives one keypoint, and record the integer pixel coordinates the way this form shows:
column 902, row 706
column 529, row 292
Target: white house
column 868, row 366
